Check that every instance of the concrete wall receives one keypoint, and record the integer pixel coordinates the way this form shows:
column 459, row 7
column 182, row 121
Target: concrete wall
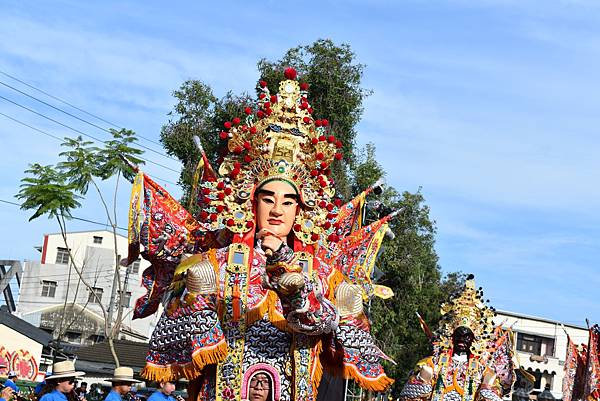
column 97, row 262
column 551, row 366
column 21, row 348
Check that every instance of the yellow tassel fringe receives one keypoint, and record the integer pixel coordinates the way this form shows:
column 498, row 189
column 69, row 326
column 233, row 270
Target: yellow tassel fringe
column 190, row 370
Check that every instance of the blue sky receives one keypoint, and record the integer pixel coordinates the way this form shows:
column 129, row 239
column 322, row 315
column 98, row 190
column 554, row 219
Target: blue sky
column 490, row 106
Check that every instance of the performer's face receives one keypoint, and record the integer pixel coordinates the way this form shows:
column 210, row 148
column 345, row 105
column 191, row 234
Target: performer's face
column 259, row 387
column 462, row 338
column 276, row 206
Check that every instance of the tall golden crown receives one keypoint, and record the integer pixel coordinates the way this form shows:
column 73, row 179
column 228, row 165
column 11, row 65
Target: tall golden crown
column 279, row 140
column 467, row 309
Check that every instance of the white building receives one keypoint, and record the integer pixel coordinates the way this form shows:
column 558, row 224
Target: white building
column 46, row 284
column 541, row 346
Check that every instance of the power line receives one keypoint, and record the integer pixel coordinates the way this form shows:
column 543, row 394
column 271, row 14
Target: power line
column 72, row 217
column 76, row 130
column 62, row 140
column 72, row 105
column 79, row 118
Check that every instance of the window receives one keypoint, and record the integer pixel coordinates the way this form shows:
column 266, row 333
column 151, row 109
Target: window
column 127, row 299
column 62, row 256
column 48, row 288
column 135, row 267
column 536, row 345
column 95, row 296
column 97, row 240
column 72, row 337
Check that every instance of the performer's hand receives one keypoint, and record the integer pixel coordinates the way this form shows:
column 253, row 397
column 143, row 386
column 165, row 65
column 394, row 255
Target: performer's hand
column 270, row 242
column 7, row 393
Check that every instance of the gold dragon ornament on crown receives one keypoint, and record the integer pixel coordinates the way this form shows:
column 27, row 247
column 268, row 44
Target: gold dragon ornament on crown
column 281, row 141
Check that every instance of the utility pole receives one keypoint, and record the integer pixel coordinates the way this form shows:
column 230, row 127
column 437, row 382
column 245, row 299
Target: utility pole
column 113, row 293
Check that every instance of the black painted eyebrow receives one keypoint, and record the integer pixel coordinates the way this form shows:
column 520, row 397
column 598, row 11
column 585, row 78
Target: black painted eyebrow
column 271, row 193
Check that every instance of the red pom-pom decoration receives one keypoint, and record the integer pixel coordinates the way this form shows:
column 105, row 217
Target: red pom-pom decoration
column 221, row 196
column 320, row 156
column 323, row 165
column 304, row 86
column 235, row 172
column 314, row 237
column 310, row 110
column 260, row 114
column 249, row 224
column 318, row 123
column 338, row 202
column 273, row 99
column 339, row 156
column 290, row 73
column 261, row 96
column 268, row 111
column 237, row 150
column 223, row 135
column 306, row 120
column 248, row 110
column 227, row 191
column 203, row 215
column 322, row 138
column 338, row 144
column 230, row 223
column 213, row 217
column 331, row 139
column 247, row 159
column 205, row 191
column 325, row 122
column 297, row 227
column 227, row 124
column 263, row 84
column 237, row 165
column 314, row 141
column 236, row 120
column 314, row 173
column 220, row 185
column 247, row 145
column 220, row 208
column 253, row 130
column 327, row 225
column 267, row 105
column 330, row 207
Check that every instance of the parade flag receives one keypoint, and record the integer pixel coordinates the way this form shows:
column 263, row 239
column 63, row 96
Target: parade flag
column 574, row 372
column 592, row 375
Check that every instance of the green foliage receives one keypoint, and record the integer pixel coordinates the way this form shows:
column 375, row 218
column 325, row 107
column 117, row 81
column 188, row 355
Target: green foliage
column 116, row 152
column 48, row 192
column 55, row 190
column 198, row 112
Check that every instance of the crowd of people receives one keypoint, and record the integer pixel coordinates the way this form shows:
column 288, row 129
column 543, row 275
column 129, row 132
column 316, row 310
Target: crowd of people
column 64, row 383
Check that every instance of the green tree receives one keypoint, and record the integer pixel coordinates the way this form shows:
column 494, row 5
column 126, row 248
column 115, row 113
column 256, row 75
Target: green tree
column 55, row 191
column 411, row 269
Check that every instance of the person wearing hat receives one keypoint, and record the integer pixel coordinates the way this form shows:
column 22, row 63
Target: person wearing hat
column 60, row 384
column 10, row 382
column 121, row 383
column 164, row 392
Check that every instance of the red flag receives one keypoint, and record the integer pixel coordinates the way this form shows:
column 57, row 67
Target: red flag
column 592, row 374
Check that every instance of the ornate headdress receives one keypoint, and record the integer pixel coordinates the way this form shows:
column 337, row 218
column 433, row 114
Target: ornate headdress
column 278, row 141
column 467, row 309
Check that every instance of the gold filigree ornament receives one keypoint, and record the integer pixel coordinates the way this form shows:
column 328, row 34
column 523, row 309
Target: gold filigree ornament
column 467, row 309
column 279, row 140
